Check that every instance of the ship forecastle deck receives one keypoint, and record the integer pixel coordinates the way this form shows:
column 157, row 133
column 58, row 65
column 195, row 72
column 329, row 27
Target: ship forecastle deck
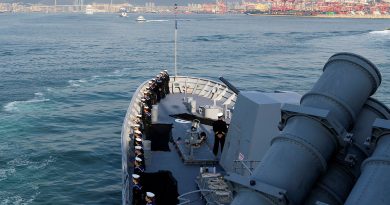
column 183, row 160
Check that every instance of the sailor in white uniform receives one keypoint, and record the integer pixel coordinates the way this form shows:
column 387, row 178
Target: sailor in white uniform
column 137, row 190
column 138, row 141
column 137, row 138
column 150, row 198
column 139, row 152
column 139, row 166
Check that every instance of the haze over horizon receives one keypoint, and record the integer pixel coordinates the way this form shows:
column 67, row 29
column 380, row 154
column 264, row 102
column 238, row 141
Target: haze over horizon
column 134, row 2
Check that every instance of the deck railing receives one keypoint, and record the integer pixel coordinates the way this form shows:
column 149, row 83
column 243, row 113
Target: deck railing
column 245, row 167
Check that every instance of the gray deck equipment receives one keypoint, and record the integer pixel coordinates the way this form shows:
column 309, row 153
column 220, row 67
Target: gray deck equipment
column 344, row 169
column 311, row 133
column 373, row 185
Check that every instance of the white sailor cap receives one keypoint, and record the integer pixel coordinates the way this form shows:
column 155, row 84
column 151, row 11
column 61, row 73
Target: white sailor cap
column 135, row 176
column 150, row 82
column 165, row 70
column 220, row 114
column 150, row 194
column 138, row 139
column 143, row 99
column 162, row 72
column 139, row 115
column 138, row 147
column 146, row 107
column 153, row 79
column 138, row 159
column 137, row 132
column 136, row 125
column 158, row 75
column 145, row 92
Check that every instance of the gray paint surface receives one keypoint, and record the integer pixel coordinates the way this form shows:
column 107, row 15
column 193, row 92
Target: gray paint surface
column 254, row 124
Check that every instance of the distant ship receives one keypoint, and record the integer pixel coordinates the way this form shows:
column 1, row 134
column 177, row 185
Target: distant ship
column 123, row 12
column 140, row 19
column 88, row 10
column 253, row 12
column 329, row 146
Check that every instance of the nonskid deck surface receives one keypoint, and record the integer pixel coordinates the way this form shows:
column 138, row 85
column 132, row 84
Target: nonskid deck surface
column 196, row 155
column 185, row 171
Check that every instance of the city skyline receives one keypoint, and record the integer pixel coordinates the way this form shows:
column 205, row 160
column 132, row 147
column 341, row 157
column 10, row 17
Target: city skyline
column 269, row 7
column 134, row 2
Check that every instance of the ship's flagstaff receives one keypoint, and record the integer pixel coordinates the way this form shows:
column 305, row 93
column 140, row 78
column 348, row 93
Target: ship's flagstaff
column 175, row 40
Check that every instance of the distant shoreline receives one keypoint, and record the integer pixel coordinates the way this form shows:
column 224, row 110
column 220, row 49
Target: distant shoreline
column 349, row 16
column 354, row 16
column 369, row 16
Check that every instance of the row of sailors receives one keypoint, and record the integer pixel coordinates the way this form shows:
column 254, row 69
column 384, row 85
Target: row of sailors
column 139, row 160
column 139, row 196
column 141, row 120
column 146, row 118
column 158, row 88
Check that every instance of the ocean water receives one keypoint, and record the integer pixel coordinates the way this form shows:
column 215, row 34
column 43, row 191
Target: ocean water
column 66, row 81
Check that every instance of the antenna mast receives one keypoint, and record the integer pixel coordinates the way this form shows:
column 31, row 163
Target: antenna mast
column 175, row 10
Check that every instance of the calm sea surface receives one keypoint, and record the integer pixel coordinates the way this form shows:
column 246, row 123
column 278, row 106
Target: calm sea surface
column 66, row 81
